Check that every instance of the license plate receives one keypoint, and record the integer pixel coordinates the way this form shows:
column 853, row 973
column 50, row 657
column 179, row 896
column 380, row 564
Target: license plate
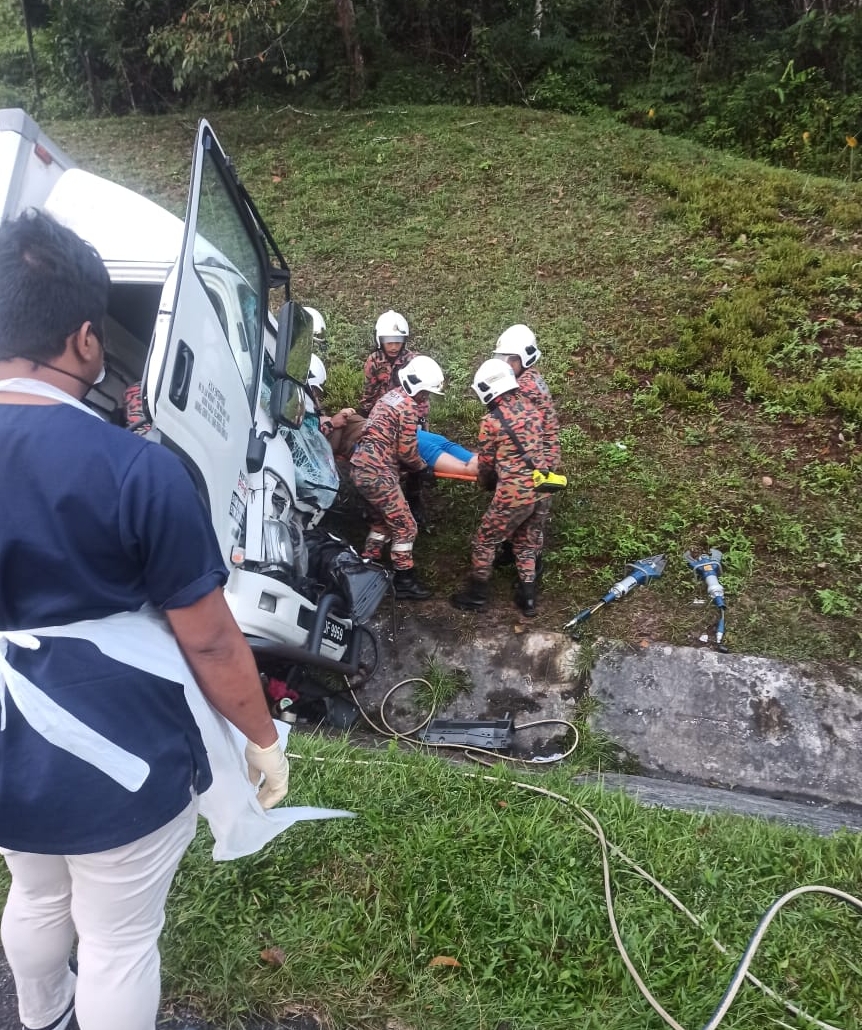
column 335, row 633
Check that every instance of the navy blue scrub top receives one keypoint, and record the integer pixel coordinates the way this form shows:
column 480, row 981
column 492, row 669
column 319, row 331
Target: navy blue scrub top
column 95, row 520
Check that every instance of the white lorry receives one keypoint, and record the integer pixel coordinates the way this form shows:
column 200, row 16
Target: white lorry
column 222, row 383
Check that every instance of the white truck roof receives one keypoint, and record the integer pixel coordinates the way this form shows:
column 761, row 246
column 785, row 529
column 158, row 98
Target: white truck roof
column 137, row 239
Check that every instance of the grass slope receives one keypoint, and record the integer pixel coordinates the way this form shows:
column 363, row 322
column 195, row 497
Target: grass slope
column 697, row 310
column 699, row 318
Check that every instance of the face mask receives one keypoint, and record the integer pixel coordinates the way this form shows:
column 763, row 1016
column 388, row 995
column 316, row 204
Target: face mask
column 88, row 383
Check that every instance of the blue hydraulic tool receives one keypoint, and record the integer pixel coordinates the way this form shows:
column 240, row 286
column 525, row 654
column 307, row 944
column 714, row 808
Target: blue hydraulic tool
column 642, row 571
column 708, row 568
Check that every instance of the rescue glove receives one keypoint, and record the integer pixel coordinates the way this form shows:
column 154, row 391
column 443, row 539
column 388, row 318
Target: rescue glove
column 271, row 763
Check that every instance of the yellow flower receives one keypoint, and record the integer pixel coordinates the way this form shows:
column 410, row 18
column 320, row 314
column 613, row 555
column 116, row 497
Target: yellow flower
column 651, row 113
column 806, row 136
column 852, row 141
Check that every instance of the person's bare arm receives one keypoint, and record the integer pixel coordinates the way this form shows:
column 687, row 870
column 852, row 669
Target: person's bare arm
column 223, row 665
column 448, row 463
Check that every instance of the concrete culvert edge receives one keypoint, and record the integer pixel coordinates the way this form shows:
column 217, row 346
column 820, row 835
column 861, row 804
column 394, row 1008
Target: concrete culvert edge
column 688, row 714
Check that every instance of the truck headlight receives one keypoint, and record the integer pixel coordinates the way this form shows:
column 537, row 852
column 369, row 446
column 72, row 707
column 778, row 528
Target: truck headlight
column 283, row 544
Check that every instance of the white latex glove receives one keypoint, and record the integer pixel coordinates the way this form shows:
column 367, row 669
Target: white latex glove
column 271, row 763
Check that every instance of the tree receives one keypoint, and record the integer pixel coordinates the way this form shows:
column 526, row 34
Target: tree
column 345, row 17
column 538, row 14
column 218, row 43
column 28, row 29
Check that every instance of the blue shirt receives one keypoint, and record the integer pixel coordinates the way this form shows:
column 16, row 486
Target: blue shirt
column 432, row 445
column 93, row 521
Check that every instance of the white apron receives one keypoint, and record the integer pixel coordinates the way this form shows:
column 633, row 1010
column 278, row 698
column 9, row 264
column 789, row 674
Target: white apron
column 143, row 640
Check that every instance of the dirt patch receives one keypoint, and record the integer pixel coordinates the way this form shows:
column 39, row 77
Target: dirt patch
column 501, row 703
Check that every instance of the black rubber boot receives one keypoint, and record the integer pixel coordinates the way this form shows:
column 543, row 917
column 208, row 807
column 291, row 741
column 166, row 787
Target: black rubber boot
column 408, row 587
column 505, row 555
column 540, row 568
column 525, row 598
column 474, row 596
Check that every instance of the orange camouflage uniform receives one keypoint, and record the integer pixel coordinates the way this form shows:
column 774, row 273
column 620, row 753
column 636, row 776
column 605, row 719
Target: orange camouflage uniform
column 381, row 375
column 512, row 513
column 389, row 441
column 533, row 386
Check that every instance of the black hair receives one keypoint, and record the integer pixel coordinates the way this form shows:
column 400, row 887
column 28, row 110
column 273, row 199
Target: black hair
column 51, row 282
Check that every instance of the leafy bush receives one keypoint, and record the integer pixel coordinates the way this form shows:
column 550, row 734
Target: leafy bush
column 412, row 83
column 569, row 91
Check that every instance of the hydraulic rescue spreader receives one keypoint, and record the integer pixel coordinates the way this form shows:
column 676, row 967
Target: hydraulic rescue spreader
column 642, row 571
column 708, row 568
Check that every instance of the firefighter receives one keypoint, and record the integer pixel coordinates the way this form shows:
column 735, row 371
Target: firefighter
column 382, row 368
column 511, row 446
column 389, row 442
column 344, row 428
column 383, row 365
column 518, row 346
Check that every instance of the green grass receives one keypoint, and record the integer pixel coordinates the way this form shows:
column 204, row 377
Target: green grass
column 500, row 870
column 702, row 310
column 442, row 861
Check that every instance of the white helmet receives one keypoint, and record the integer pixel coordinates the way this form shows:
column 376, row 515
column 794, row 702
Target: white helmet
column 318, row 327
column 421, row 374
column 316, row 373
column 391, row 328
column 494, row 377
column 519, row 340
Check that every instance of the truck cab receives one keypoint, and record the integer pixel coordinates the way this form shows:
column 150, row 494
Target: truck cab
column 222, row 384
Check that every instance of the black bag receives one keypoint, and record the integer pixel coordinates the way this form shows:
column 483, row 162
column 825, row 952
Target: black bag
column 339, row 569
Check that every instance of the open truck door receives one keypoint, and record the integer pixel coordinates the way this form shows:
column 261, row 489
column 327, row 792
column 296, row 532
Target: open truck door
column 203, row 375
column 301, row 596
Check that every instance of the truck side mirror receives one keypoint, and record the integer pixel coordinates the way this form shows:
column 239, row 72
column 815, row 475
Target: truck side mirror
column 287, row 403
column 292, row 357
